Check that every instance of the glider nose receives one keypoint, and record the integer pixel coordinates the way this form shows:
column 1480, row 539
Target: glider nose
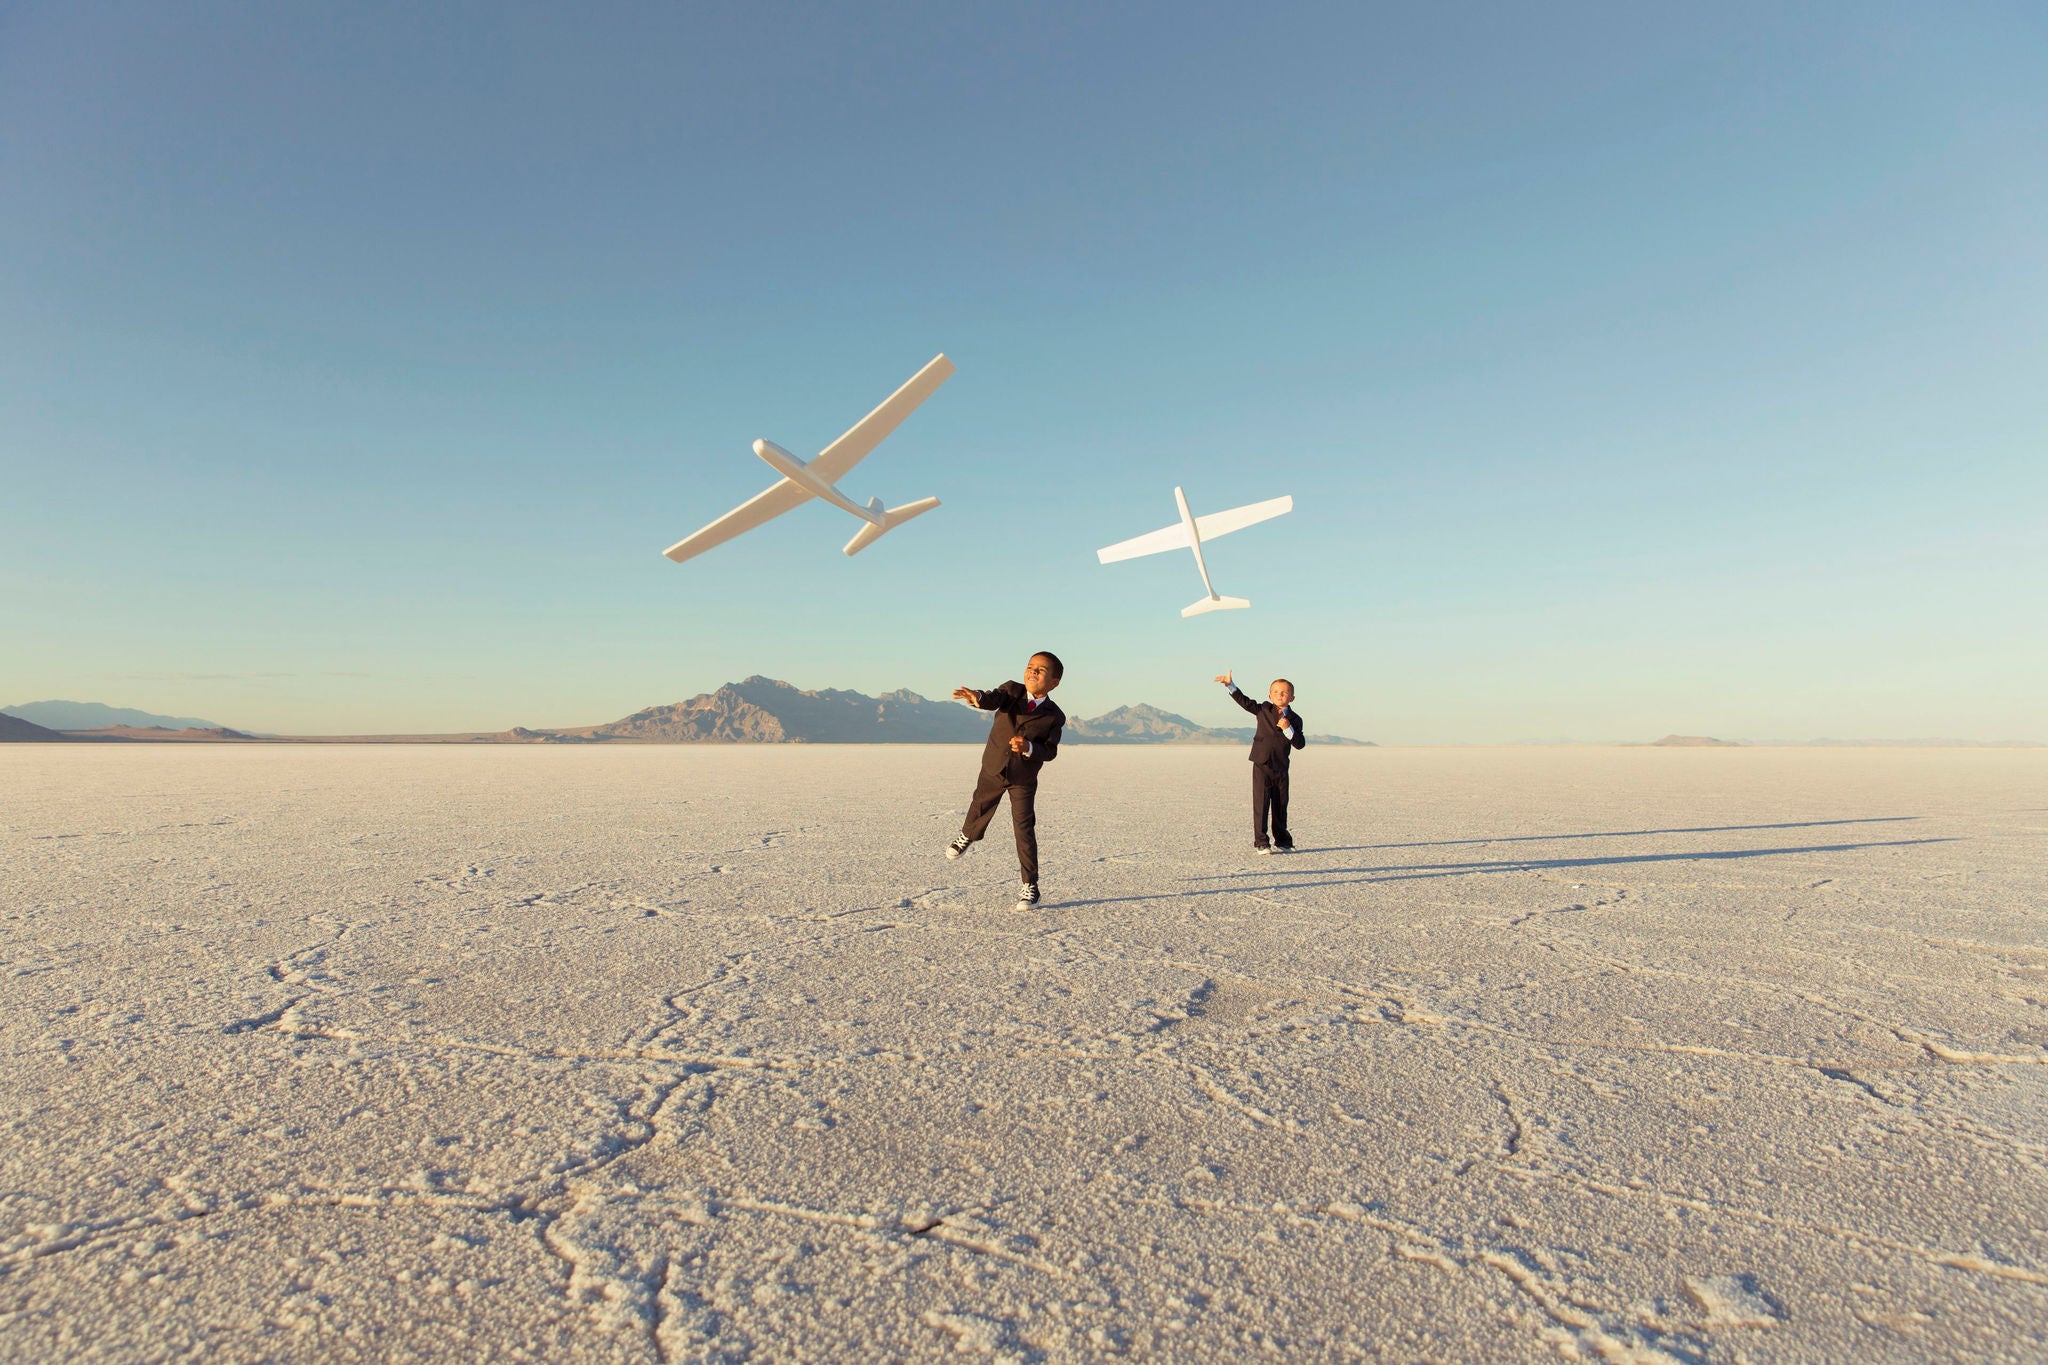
column 776, row 458
column 782, row 462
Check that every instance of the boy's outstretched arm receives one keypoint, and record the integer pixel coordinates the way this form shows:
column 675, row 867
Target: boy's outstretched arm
column 990, row 698
column 1240, row 698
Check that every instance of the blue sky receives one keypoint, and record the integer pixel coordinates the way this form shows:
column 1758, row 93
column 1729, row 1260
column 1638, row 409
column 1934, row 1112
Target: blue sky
column 1634, row 369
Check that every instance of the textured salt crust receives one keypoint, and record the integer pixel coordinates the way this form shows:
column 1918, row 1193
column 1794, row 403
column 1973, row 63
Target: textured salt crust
column 707, row 1054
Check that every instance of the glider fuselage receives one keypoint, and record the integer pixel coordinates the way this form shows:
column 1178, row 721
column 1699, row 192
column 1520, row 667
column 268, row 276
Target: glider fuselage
column 1189, row 534
column 1187, row 519
column 798, row 481
column 799, row 473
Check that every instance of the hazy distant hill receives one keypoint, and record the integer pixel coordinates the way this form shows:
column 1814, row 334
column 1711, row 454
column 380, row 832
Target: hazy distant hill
column 757, row 711
column 159, row 733
column 767, row 711
column 1695, row 742
column 15, row 730
column 1142, row 724
column 92, row 715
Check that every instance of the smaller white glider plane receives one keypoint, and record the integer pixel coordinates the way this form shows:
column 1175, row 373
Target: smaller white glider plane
column 819, row 478
column 1189, row 535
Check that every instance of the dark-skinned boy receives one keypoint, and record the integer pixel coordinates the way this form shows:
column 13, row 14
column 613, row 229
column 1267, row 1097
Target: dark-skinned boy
column 1023, row 737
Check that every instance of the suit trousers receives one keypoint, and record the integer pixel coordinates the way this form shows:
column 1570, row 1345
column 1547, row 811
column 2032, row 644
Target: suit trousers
column 981, row 808
column 1269, row 794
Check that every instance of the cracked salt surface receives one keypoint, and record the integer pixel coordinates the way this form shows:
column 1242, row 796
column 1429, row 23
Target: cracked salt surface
column 679, row 1054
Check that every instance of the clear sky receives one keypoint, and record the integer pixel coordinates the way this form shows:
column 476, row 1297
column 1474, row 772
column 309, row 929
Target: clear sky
column 1634, row 368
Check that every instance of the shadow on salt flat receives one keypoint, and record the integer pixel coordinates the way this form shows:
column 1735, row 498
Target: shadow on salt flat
column 1355, row 876
column 1615, row 834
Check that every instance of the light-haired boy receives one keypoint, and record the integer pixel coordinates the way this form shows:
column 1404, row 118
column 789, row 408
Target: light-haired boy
column 1277, row 736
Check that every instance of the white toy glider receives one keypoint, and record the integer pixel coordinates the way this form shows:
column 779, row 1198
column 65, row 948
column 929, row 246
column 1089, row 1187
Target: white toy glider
column 1190, row 534
column 818, row 479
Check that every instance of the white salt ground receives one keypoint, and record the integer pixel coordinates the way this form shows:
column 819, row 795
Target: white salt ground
column 694, row 1054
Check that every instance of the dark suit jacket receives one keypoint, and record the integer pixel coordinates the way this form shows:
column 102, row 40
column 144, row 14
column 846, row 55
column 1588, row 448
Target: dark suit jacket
column 1270, row 747
column 1042, row 727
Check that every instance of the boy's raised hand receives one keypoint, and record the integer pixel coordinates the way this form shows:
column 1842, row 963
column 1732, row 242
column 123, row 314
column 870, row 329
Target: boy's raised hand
column 968, row 695
column 1224, row 677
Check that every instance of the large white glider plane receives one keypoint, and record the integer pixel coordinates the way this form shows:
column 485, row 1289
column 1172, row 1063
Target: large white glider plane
column 1189, row 534
column 819, row 478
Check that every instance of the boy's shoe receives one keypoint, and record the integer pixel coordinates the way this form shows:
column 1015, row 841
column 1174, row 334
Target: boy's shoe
column 1261, row 850
column 1283, row 848
column 959, row 846
column 1027, row 895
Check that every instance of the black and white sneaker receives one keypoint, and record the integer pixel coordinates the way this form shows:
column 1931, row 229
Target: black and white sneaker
column 1027, row 895
column 1260, row 850
column 959, row 846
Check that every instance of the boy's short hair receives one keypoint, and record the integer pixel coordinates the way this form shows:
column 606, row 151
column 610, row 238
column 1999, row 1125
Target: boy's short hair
column 1277, row 681
column 1059, row 670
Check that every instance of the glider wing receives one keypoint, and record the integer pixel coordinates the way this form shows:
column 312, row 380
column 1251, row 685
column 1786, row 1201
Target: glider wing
column 1174, row 537
column 1237, row 518
column 762, row 507
column 863, row 436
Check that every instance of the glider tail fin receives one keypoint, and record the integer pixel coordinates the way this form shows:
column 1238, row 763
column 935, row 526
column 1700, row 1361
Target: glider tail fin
column 894, row 517
column 1209, row 604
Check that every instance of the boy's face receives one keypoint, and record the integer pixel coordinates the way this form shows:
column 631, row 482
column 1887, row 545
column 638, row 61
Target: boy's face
column 1280, row 694
column 1039, row 678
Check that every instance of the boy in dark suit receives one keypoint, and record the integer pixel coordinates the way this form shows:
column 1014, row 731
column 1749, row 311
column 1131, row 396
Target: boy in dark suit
column 1024, row 737
column 1279, row 733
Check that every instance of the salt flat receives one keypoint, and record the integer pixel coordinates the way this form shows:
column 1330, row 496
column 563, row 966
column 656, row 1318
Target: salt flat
column 693, row 1053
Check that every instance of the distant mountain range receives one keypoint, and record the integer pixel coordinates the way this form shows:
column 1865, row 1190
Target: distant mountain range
column 757, row 711
column 92, row 715
column 768, row 711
